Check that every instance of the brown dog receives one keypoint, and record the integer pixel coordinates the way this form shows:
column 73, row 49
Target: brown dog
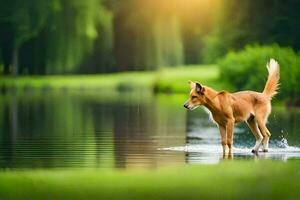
column 227, row 108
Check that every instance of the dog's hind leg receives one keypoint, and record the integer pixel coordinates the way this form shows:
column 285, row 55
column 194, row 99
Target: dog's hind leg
column 266, row 134
column 258, row 136
column 261, row 119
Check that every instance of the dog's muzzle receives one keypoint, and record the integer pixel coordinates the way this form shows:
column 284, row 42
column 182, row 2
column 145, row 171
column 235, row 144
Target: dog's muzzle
column 186, row 106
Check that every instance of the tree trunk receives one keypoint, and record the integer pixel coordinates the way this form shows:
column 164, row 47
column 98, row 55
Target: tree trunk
column 14, row 120
column 6, row 69
column 15, row 61
column 7, row 50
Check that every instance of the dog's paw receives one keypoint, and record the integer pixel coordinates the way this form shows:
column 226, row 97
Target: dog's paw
column 265, row 150
column 254, row 151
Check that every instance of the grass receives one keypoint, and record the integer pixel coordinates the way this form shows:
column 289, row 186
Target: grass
column 175, row 79
column 164, row 80
column 228, row 180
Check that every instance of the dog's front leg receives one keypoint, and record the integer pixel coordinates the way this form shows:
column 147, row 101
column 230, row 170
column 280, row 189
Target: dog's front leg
column 223, row 138
column 230, row 132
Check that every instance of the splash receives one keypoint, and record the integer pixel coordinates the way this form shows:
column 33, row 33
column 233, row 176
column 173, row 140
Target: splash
column 206, row 153
column 283, row 143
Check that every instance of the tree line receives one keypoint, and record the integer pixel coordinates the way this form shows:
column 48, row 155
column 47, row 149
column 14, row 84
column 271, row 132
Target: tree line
column 92, row 36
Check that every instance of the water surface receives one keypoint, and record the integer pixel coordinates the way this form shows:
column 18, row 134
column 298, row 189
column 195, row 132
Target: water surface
column 123, row 130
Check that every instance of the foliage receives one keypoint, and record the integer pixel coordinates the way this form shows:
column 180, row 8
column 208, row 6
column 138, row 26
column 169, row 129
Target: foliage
column 239, row 23
column 92, row 36
column 214, row 48
column 72, row 30
column 246, row 70
column 170, row 36
column 48, row 36
column 19, row 22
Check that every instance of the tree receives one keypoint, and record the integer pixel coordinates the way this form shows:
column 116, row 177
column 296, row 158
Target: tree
column 24, row 20
column 50, row 36
column 71, row 33
column 253, row 21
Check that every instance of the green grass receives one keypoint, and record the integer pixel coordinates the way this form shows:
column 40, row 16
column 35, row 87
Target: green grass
column 228, row 180
column 175, row 79
column 164, row 80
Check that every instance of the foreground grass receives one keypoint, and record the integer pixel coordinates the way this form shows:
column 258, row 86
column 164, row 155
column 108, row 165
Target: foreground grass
column 228, row 180
column 164, row 80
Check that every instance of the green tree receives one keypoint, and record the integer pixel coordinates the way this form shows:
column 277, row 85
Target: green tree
column 48, row 36
column 20, row 21
column 253, row 21
column 245, row 70
column 71, row 32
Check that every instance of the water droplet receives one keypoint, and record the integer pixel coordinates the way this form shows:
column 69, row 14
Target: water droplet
column 283, row 143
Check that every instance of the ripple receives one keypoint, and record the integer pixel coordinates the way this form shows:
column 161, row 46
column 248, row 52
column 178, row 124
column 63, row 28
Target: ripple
column 211, row 153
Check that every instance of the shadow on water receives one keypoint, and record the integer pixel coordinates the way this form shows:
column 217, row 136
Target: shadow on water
column 122, row 130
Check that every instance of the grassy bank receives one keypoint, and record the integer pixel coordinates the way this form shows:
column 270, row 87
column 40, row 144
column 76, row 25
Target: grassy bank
column 228, row 180
column 164, row 80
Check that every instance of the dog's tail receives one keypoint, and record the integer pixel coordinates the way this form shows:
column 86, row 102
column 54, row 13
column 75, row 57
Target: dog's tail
column 272, row 84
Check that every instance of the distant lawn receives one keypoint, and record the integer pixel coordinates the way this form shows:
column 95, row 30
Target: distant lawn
column 230, row 180
column 176, row 79
column 164, row 80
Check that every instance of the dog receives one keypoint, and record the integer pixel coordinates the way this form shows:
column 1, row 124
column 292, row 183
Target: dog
column 227, row 109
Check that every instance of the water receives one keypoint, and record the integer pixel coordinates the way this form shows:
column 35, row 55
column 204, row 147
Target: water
column 123, row 130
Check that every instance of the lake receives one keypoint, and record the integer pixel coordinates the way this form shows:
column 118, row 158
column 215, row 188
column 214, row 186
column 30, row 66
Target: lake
column 98, row 129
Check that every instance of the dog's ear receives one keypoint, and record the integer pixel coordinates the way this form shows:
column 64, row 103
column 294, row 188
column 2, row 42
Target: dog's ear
column 192, row 84
column 199, row 88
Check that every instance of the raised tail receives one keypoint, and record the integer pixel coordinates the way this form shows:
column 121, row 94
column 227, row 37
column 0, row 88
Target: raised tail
column 272, row 84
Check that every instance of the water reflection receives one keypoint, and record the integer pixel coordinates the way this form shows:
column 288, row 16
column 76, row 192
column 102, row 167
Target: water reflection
column 89, row 130
column 120, row 130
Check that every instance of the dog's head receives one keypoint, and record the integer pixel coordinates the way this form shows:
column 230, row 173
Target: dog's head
column 197, row 97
